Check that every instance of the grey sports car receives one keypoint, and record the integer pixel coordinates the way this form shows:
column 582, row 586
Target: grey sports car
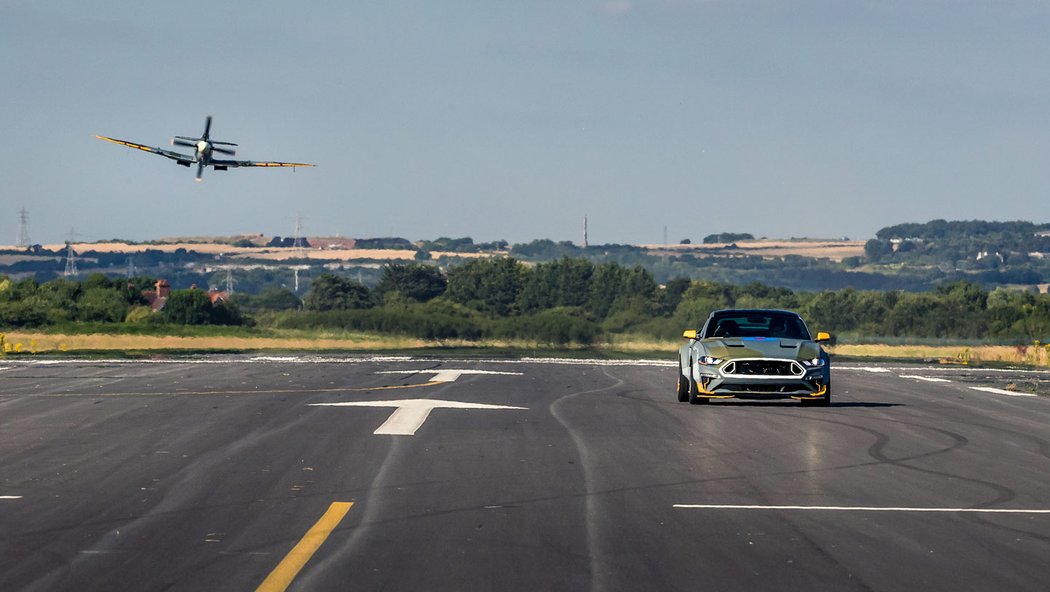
column 754, row 354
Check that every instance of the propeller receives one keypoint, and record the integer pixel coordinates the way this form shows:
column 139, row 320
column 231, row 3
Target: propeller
column 190, row 142
column 200, row 170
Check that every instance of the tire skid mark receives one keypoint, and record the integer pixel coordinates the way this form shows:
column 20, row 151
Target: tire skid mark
column 1044, row 450
column 594, row 540
column 1040, row 443
column 592, row 495
column 1005, row 494
column 875, row 451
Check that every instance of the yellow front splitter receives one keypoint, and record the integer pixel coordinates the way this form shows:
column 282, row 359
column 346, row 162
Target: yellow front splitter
column 706, row 394
column 817, row 395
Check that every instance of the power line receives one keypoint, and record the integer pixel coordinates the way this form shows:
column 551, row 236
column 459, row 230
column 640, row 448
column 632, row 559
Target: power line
column 298, row 242
column 71, row 256
column 23, row 228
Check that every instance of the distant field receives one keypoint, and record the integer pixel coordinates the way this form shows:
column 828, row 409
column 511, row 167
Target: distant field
column 263, row 253
column 1032, row 355
column 29, row 343
column 347, row 254
column 835, row 250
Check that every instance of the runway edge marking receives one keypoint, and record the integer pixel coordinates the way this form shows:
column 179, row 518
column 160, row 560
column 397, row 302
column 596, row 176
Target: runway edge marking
column 998, row 391
column 861, row 509
column 924, row 378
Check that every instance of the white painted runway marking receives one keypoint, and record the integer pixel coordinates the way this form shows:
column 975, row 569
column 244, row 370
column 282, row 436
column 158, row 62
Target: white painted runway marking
column 988, row 389
column 410, row 415
column 873, row 370
column 862, row 509
column 10, row 497
column 448, row 375
column 962, row 369
column 926, row 378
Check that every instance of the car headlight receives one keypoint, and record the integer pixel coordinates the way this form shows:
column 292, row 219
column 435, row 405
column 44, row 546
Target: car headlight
column 708, row 361
column 814, row 363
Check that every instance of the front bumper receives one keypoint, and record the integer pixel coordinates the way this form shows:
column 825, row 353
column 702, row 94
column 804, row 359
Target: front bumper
column 714, row 383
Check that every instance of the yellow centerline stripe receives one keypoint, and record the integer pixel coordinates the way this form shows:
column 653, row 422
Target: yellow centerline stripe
column 281, row 577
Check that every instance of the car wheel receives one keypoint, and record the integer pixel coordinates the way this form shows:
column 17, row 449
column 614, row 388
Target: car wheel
column 694, row 394
column 683, row 384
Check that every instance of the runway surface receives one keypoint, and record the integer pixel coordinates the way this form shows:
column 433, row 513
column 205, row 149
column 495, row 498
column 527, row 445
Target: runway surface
column 395, row 473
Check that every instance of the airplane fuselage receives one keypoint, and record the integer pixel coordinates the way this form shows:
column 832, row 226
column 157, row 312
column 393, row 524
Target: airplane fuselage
column 203, row 152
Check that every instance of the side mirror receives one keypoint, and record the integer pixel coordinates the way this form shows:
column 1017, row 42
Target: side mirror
column 690, row 334
column 822, row 336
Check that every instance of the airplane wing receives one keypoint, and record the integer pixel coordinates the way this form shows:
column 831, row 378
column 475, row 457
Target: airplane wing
column 167, row 153
column 252, row 163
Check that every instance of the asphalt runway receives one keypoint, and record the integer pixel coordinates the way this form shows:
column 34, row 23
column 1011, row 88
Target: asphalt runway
column 373, row 473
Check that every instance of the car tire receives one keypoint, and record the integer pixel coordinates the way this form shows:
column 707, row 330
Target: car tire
column 683, row 384
column 694, row 397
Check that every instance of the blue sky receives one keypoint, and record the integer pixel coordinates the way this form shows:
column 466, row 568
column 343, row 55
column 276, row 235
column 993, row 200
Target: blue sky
column 514, row 120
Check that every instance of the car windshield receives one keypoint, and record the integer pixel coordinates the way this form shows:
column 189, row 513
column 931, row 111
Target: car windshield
column 757, row 324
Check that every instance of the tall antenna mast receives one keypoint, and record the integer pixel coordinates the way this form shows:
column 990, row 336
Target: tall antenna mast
column 71, row 256
column 23, row 229
column 229, row 281
column 585, row 232
column 131, row 267
column 664, row 258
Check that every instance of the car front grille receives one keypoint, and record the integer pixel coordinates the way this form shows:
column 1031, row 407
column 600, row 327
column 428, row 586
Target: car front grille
column 763, row 368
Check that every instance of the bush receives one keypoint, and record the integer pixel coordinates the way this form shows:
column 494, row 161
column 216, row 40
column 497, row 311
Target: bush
column 559, row 326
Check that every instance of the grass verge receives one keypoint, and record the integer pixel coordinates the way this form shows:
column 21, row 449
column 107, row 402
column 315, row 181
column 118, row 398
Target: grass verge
column 129, row 344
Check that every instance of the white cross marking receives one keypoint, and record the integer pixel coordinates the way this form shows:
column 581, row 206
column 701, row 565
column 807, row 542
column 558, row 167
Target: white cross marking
column 448, row 375
column 409, row 415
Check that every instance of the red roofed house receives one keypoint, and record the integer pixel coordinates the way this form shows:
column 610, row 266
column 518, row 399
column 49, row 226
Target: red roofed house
column 156, row 298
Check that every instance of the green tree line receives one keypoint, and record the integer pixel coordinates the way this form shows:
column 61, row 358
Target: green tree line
column 576, row 300
column 569, row 300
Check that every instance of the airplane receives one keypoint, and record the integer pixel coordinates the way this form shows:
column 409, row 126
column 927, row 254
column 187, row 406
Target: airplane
column 204, row 149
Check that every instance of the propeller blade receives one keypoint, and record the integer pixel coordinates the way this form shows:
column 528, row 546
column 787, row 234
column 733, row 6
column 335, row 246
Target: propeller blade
column 200, row 170
column 224, row 143
column 224, row 151
column 188, row 138
column 178, row 142
column 207, row 128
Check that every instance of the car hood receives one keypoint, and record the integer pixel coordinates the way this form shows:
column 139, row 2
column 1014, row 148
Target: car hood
column 761, row 347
